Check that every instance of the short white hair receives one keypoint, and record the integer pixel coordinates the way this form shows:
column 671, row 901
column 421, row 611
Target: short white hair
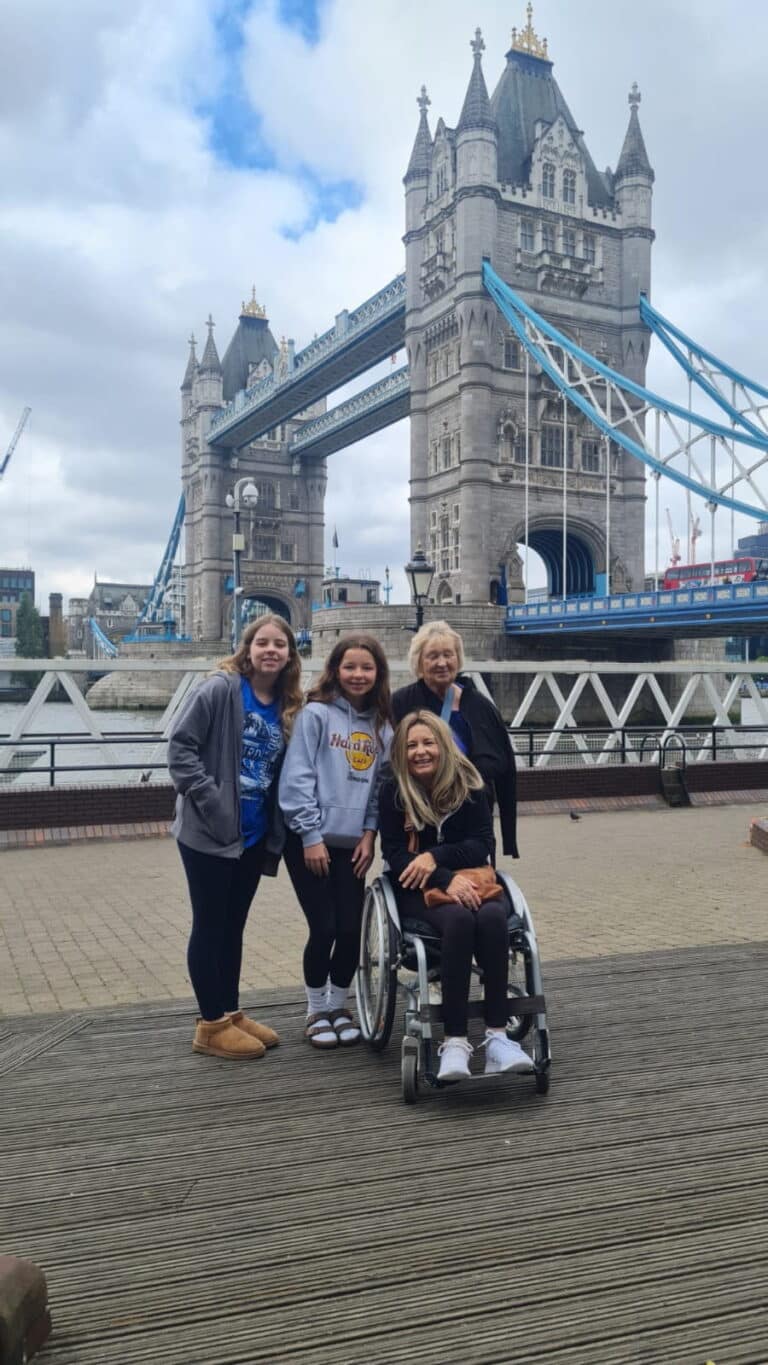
column 433, row 630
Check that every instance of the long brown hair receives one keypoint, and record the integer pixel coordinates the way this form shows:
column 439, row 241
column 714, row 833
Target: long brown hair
column 455, row 778
column 288, row 682
column 328, row 688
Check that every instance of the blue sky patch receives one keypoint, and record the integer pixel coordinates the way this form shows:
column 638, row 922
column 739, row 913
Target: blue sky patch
column 236, row 134
column 329, row 199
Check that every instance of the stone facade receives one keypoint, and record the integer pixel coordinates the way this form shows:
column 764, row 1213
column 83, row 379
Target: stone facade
column 282, row 565
column 514, row 182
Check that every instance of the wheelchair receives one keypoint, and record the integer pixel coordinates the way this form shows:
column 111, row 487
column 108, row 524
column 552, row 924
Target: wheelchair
column 407, row 954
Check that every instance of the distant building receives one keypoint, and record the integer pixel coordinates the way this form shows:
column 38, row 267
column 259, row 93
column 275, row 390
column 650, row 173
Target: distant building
column 14, row 583
column 114, row 606
column 340, row 591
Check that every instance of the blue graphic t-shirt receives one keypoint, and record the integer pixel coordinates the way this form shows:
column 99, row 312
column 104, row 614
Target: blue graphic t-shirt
column 263, row 745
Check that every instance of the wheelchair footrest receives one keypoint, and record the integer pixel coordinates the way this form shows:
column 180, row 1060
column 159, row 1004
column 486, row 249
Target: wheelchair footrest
column 516, row 1005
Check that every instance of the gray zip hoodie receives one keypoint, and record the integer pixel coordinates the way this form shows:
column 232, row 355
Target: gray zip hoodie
column 329, row 786
column 204, row 755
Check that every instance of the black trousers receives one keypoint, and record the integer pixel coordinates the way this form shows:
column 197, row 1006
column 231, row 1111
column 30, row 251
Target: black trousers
column 333, row 908
column 221, row 891
column 465, row 934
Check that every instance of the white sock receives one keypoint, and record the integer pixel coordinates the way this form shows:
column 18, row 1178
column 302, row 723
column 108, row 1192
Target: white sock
column 337, row 996
column 317, row 1000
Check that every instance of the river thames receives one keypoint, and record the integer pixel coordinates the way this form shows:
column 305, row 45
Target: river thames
column 56, row 719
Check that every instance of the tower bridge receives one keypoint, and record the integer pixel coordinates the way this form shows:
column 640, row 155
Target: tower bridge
column 524, row 313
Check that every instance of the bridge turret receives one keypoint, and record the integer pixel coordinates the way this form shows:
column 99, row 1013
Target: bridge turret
column 633, row 188
column 188, row 380
column 207, row 385
column 476, row 131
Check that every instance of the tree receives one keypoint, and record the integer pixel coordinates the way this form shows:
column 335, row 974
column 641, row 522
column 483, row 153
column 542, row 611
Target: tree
column 29, row 639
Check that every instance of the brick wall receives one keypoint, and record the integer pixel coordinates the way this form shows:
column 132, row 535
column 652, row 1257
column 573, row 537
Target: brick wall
column 62, row 807
column 51, row 808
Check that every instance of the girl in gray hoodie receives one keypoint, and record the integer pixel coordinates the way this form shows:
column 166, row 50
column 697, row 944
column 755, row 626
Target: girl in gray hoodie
column 329, row 789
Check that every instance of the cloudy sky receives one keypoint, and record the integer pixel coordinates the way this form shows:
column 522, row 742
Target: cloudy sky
column 161, row 156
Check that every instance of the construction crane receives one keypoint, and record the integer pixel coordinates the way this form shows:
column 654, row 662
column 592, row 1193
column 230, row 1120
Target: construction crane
column 674, row 541
column 14, row 440
column 695, row 532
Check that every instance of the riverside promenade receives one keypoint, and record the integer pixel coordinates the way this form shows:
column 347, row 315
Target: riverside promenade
column 293, row 1211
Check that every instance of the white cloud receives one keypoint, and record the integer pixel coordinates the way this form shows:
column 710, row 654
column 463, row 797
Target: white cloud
column 120, row 229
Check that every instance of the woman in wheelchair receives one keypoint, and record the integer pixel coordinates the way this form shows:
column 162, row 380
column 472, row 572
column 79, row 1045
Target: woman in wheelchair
column 435, row 824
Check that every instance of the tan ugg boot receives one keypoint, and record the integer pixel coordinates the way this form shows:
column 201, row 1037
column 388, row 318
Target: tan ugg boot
column 222, row 1038
column 263, row 1032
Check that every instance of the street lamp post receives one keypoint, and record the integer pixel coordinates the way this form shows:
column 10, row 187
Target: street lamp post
column 244, row 494
column 420, row 574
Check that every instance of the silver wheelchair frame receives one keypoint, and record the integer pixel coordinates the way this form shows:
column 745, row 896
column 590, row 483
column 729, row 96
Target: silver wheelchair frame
column 396, row 955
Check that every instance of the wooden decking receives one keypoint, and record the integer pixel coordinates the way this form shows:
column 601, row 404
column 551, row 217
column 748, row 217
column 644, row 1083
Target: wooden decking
column 293, row 1211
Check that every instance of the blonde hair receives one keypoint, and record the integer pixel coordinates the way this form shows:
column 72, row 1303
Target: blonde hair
column 455, row 778
column 433, row 630
column 287, row 683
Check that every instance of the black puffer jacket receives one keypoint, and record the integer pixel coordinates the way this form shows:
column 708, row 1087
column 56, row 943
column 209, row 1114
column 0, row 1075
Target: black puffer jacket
column 465, row 839
column 491, row 751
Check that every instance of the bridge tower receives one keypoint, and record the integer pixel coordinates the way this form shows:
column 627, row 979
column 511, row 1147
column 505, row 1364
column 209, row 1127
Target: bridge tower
column 514, row 182
column 283, row 564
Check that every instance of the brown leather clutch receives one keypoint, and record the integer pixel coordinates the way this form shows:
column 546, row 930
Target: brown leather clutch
column 482, row 878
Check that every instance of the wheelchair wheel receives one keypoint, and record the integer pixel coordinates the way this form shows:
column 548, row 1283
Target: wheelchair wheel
column 518, row 1025
column 376, row 986
column 409, row 1074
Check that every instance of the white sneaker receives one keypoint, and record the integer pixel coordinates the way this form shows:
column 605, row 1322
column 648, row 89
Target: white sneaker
column 502, row 1054
column 455, row 1054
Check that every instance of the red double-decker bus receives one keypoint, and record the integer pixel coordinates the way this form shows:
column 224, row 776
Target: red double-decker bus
column 744, row 569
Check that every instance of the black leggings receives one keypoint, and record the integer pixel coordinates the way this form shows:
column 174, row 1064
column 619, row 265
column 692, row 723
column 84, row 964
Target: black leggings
column 221, row 891
column 333, row 908
column 465, row 934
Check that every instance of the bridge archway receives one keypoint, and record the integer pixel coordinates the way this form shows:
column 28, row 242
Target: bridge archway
column 255, row 605
column 583, row 557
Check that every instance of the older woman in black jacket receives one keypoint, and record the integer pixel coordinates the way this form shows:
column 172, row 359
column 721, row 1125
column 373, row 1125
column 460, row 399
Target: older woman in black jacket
column 436, row 657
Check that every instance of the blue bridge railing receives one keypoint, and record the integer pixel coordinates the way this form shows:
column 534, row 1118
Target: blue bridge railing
column 703, row 606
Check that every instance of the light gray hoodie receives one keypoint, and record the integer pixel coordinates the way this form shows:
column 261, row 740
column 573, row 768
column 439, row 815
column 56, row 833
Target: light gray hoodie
column 329, row 786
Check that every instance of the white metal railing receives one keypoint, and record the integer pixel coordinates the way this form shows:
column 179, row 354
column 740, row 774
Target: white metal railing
column 707, row 694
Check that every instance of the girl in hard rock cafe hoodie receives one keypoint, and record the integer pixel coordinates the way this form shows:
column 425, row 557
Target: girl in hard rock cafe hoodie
column 329, row 789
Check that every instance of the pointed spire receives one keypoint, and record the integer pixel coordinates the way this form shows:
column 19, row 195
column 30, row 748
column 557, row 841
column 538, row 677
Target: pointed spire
column 476, row 111
column 421, row 156
column 191, row 369
column 634, row 158
column 210, row 360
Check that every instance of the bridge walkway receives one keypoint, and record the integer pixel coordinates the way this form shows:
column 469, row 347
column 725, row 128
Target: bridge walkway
column 293, row 1211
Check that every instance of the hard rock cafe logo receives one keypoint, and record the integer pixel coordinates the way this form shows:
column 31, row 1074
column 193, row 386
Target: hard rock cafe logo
column 359, row 749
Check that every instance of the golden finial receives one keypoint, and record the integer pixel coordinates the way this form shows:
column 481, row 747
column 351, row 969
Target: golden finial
column 528, row 40
column 252, row 309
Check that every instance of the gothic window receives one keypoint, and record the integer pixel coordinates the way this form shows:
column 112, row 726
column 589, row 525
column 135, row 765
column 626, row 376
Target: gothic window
column 511, row 353
column 569, row 187
column 551, row 445
column 267, row 496
column 455, row 547
column 293, row 500
column 548, row 236
column 433, row 448
column 445, row 544
column 456, row 513
column 548, row 180
column 447, row 461
column 569, row 242
column 441, row 184
column 287, row 551
column 518, row 449
column 264, row 547
column 528, row 235
column 590, row 456
column 440, row 239
column 590, row 249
